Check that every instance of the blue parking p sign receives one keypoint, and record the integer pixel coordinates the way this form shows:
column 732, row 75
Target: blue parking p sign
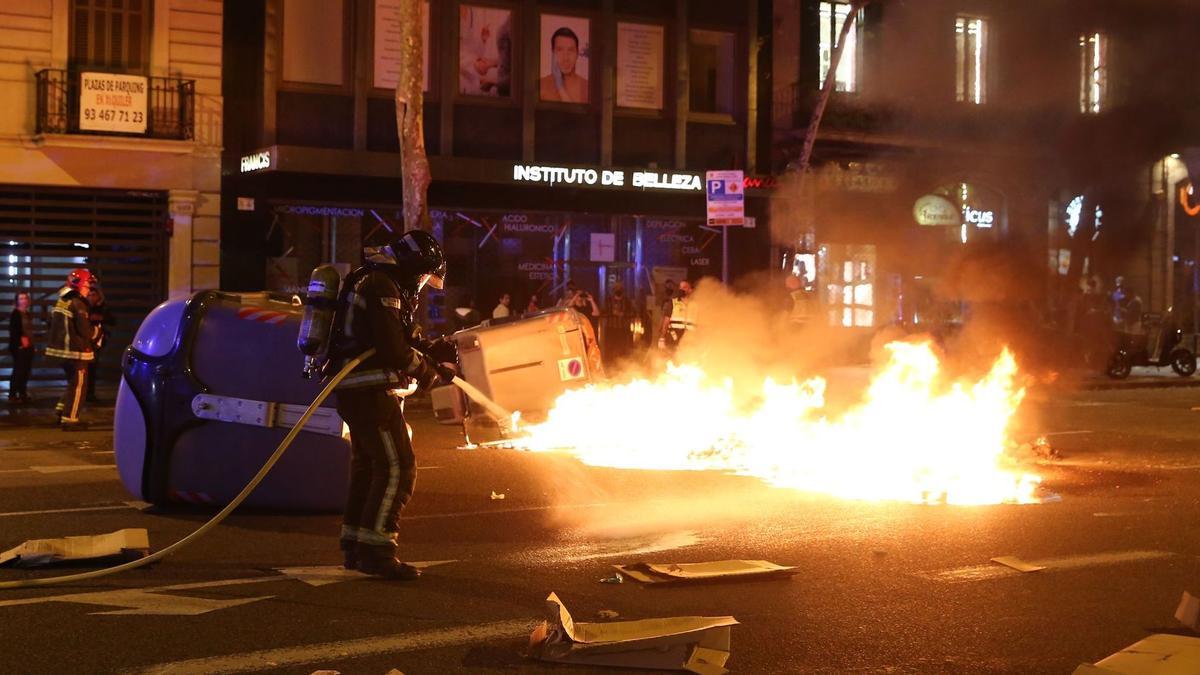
column 724, row 197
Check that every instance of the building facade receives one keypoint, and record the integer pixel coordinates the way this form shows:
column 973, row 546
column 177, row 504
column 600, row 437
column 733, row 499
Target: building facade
column 980, row 153
column 568, row 141
column 110, row 140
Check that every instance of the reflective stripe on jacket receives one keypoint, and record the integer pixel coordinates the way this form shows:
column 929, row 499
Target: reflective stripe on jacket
column 681, row 315
column 374, row 312
column 70, row 329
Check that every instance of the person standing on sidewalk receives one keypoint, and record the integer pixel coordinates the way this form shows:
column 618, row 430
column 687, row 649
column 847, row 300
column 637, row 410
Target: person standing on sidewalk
column 20, row 345
column 101, row 319
column 71, row 340
column 503, row 308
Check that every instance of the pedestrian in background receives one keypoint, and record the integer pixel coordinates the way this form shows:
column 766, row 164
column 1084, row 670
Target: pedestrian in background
column 71, row 336
column 532, row 307
column 619, row 312
column 101, row 318
column 680, row 319
column 569, row 293
column 20, row 345
column 1119, row 298
column 1131, row 310
column 585, row 304
column 502, row 310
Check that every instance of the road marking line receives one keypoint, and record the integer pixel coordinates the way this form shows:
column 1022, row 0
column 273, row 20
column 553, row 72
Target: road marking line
column 137, row 597
column 518, row 509
column 337, row 652
column 1068, row 433
column 61, row 469
column 81, row 509
column 72, row 467
column 633, row 548
column 960, row 575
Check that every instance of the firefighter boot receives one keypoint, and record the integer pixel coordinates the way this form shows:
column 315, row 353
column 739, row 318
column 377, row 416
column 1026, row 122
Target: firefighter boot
column 381, row 561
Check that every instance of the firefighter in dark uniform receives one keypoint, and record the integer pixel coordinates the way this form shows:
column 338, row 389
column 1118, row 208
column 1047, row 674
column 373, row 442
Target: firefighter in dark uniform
column 376, row 308
column 71, row 340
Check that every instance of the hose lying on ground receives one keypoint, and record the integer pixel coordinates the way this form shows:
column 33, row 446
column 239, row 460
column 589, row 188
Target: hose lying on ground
column 216, row 520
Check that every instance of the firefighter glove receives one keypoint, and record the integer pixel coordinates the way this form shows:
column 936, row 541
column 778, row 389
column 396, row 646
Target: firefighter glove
column 446, row 372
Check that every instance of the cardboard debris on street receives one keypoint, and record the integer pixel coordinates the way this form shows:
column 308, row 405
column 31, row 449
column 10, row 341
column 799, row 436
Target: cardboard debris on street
column 130, row 544
column 1017, row 564
column 1188, row 612
column 720, row 570
column 1159, row 654
column 697, row 644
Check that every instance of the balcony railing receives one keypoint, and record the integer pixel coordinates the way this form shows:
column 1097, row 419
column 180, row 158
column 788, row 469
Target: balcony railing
column 170, row 106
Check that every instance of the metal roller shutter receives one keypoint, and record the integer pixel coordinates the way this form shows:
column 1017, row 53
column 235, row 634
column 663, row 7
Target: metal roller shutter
column 46, row 232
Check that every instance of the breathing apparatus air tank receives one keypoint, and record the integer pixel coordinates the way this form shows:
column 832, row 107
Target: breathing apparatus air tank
column 317, row 324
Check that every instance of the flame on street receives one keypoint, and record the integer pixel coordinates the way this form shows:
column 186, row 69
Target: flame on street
column 912, row 437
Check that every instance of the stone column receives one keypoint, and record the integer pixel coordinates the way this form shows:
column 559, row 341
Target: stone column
column 182, row 207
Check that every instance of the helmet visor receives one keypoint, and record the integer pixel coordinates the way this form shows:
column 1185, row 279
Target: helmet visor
column 432, row 280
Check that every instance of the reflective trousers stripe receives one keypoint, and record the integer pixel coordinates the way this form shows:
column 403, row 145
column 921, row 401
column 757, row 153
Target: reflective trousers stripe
column 385, row 505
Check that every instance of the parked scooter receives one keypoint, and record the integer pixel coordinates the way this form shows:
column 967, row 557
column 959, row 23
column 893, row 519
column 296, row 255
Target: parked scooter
column 1160, row 343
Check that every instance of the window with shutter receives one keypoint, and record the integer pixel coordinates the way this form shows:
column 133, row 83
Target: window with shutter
column 110, row 34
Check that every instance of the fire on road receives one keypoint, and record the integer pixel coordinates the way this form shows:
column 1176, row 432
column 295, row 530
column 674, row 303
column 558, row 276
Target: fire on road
column 915, row 436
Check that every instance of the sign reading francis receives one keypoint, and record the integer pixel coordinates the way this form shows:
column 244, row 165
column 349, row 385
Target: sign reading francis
column 256, row 161
column 607, row 178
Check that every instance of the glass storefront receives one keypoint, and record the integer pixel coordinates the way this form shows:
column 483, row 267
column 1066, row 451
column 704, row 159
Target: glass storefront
column 529, row 255
column 861, row 271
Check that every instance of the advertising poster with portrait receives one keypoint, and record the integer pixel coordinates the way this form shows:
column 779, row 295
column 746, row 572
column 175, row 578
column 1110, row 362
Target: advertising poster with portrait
column 485, row 49
column 565, row 48
column 388, row 46
column 639, row 66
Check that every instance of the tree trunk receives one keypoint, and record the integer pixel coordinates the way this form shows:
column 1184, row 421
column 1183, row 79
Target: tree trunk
column 410, row 122
column 814, row 123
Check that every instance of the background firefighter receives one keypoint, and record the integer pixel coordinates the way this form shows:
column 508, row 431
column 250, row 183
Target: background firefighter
column 376, row 309
column 71, row 340
column 681, row 319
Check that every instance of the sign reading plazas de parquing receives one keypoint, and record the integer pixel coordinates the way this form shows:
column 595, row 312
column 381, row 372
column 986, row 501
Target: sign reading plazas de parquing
column 111, row 102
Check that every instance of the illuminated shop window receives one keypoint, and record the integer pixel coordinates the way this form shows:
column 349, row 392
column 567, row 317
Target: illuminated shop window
column 1075, row 212
column 1093, row 72
column 848, row 275
column 970, row 37
column 833, row 17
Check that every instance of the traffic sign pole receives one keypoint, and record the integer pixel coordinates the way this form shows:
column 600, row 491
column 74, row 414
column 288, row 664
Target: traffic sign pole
column 725, row 203
column 725, row 255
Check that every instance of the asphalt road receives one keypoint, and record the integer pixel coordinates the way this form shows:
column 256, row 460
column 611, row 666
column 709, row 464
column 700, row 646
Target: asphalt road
column 893, row 588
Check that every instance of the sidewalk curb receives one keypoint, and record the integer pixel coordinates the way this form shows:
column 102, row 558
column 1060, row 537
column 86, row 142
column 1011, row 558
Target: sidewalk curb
column 1174, row 382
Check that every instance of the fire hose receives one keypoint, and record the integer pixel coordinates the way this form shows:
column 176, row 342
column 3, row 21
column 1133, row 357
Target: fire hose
column 241, row 497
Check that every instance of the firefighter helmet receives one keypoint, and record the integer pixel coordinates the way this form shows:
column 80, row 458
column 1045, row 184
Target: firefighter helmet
column 81, row 277
column 418, row 254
